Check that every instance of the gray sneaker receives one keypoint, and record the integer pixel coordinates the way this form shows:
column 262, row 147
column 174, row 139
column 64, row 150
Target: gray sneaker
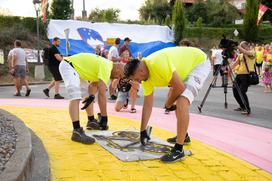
column 80, row 136
column 93, row 125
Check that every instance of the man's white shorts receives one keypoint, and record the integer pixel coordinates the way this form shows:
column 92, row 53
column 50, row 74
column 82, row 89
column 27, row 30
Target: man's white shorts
column 76, row 88
column 195, row 80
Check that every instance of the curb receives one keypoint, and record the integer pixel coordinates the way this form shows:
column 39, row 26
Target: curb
column 19, row 165
column 30, row 160
column 31, row 83
column 40, row 160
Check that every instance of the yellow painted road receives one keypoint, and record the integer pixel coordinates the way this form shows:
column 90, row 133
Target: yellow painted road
column 72, row 161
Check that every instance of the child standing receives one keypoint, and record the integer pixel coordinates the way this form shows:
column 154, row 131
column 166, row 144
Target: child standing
column 267, row 76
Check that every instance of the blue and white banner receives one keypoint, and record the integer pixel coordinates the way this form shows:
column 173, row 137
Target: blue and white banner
column 84, row 36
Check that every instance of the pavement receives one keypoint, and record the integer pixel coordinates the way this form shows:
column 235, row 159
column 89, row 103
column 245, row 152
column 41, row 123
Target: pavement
column 225, row 144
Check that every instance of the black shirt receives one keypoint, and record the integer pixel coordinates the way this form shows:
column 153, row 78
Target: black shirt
column 52, row 59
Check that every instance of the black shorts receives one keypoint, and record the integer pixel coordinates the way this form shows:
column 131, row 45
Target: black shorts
column 259, row 64
column 215, row 72
column 55, row 72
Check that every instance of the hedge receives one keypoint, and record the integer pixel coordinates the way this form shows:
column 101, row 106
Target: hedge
column 264, row 33
column 27, row 22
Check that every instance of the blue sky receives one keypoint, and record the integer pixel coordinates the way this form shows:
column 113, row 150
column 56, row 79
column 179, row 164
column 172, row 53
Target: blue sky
column 129, row 8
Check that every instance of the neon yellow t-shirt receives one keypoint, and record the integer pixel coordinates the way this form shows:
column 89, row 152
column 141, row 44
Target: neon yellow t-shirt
column 259, row 56
column 269, row 59
column 91, row 67
column 163, row 63
column 250, row 60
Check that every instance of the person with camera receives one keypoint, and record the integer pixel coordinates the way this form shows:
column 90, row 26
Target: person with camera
column 127, row 90
column 76, row 71
column 245, row 62
column 184, row 69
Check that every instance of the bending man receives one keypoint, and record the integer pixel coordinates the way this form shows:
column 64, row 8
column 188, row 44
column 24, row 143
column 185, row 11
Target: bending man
column 76, row 71
column 184, row 69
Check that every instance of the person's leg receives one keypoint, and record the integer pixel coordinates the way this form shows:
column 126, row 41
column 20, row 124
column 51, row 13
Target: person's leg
column 72, row 84
column 74, row 110
column 57, row 86
column 18, row 85
column 133, row 98
column 51, row 84
column 182, row 114
column 194, row 83
column 122, row 101
column 244, row 84
column 237, row 95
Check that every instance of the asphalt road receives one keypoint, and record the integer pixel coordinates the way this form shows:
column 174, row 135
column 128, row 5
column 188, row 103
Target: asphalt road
column 261, row 103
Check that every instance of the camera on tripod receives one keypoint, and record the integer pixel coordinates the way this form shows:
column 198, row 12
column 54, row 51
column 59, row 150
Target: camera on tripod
column 124, row 85
column 228, row 47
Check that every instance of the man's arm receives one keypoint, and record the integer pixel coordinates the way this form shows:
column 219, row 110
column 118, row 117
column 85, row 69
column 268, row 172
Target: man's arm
column 146, row 112
column 58, row 57
column 177, row 88
column 102, row 97
column 244, row 51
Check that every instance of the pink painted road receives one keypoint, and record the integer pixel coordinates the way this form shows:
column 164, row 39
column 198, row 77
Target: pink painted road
column 247, row 142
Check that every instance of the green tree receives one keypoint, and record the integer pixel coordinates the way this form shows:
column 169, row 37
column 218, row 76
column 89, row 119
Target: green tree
column 61, row 9
column 250, row 20
column 111, row 15
column 155, row 10
column 199, row 9
column 221, row 13
column 104, row 15
column 178, row 19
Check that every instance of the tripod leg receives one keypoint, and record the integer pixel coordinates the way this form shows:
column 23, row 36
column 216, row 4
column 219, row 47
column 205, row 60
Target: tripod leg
column 205, row 97
column 209, row 89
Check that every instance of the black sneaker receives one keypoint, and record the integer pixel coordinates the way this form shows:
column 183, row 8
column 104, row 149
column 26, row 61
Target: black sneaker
column 173, row 156
column 46, row 92
column 93, row 125
column 173, row 140
column 28, row 92
column 80, row 136
column 58, row 96
column 238, row 109
column 112, row 97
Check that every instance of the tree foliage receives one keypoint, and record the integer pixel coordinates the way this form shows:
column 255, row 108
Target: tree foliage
column 178, row 19
column 61, row 9
column 250, row 20
column 155, row 11
column 104, row 15
column 213, row 13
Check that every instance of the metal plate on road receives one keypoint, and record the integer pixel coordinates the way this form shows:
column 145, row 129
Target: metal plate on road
column 125, row 145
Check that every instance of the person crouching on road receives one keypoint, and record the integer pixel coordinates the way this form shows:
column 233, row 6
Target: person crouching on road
column 76, row 71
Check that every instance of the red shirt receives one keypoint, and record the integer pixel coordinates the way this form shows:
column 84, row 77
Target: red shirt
column 124, row 48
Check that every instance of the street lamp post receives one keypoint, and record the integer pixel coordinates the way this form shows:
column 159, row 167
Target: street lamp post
column 84, row 12
column 39, row 69
column 37, row 8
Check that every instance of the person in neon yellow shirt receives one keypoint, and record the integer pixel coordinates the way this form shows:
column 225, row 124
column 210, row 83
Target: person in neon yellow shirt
column 259, row 59
column 184, row 69
column 76, row 71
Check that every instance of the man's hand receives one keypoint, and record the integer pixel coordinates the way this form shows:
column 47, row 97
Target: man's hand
column 12, row 71
column 172, row 108
column 145, row 135
column 88, row 101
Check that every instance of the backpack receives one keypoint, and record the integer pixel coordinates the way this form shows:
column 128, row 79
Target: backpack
column 46, row 56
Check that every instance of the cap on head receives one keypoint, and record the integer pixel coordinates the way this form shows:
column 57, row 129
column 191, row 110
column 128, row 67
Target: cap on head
column 127, row 39
column 117, row 41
